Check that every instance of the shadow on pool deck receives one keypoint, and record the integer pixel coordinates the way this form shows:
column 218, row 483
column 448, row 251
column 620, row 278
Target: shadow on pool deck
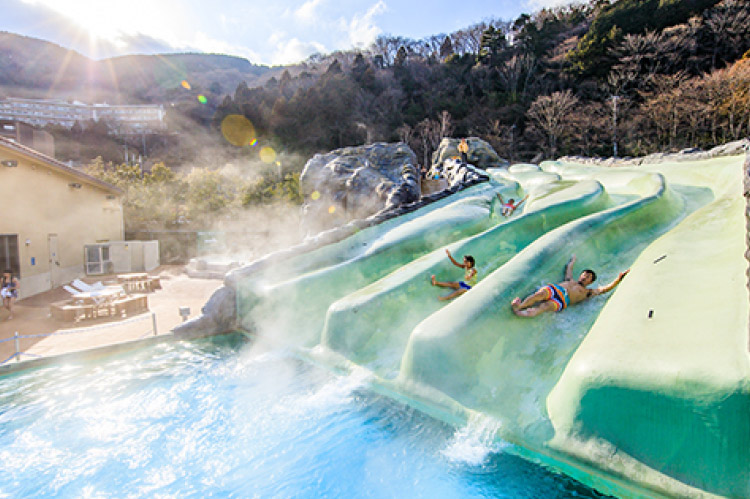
column 31, row 316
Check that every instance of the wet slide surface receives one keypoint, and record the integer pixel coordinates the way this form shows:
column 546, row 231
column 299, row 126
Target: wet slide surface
column 643, row 391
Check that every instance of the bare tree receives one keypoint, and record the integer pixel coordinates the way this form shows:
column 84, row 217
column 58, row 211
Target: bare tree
column 728, row 23
column 387, row 46
column 429, row 132
column 663, row 108
column 550, row 113
column 516, row 74
column 469, row 40
column 405, row 133
column 717, row 92
column 446, row 125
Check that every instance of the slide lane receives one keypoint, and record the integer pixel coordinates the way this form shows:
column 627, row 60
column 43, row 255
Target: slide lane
column 356, row 244
column 663, row 375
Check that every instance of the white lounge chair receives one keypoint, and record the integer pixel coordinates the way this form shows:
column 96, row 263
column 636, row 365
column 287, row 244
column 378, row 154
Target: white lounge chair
column 71, row 290
column 79, row 284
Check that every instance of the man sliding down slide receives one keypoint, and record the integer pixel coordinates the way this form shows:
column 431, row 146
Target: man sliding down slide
column 556, row 297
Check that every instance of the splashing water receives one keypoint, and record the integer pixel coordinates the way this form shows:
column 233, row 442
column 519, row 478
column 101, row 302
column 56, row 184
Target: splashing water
column 475, row 442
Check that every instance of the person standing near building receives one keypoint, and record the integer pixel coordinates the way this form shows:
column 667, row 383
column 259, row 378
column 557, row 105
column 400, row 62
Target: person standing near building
column 9, row 290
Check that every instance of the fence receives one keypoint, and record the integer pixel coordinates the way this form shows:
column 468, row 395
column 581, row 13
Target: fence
column 17, row 338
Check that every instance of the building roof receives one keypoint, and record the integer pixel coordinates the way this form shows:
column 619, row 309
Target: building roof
column 56, row 165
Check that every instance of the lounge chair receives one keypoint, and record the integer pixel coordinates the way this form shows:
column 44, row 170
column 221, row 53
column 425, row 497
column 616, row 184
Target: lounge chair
column 71, row 290
column 79, row 284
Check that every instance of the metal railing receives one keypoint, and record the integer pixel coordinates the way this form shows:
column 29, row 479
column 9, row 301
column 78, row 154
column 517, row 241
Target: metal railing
column 17, row 338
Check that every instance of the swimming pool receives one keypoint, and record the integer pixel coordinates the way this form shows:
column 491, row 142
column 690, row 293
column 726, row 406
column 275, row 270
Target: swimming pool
column 218, row 417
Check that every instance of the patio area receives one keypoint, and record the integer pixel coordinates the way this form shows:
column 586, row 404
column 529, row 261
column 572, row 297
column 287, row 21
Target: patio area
column 32, row 316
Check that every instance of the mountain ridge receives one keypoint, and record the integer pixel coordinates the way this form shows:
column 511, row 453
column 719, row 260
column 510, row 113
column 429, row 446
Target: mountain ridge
column 32, row 67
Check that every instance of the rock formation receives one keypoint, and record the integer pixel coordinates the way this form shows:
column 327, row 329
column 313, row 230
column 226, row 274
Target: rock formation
column 480, row 154
column 356, row 182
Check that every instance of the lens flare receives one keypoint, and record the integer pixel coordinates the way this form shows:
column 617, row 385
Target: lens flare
column 237, row 130
column 267, row 154
column 202, row 99
column 315, row 196
column 185, row 84
column 331, row 209
column 253, row 142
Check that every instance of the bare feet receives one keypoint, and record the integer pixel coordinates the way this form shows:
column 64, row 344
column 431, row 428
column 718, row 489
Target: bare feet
column 432, row 278
column 515, row 303
column 443, row 298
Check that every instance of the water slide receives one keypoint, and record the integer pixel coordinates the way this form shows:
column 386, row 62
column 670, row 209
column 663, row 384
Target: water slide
column 644, row 391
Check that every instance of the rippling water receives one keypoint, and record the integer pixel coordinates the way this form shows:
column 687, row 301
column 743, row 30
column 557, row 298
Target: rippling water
column 214, row 417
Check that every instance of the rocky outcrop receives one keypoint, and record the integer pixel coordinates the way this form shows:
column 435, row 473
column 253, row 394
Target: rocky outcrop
column 455, row 173
column 694, row 154
column 480, row 154
column 356, row 182
column 218, row 316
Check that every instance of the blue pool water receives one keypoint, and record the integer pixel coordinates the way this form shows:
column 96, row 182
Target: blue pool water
column 214, row 417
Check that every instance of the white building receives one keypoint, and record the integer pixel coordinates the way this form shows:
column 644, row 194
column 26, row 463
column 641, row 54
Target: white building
column 40, row 112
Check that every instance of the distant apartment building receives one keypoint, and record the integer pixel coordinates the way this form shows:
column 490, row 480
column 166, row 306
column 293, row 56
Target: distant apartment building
column 26, row 135
column 123, row 119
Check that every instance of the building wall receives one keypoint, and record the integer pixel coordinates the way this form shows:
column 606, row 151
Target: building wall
column 36, row 201
column 150, row 255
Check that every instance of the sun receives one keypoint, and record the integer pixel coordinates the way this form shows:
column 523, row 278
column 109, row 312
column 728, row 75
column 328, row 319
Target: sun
column 114, row 21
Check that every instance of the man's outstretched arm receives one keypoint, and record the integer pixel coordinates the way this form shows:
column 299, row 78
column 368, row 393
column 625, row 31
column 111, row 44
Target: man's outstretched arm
column 609, row 287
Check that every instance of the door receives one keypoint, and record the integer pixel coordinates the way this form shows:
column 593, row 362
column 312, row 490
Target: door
column 55, row 273
column 9, row 254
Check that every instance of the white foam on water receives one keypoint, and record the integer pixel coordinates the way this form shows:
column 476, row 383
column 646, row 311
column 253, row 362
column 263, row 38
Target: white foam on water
column 473, row 443
column 337, row 392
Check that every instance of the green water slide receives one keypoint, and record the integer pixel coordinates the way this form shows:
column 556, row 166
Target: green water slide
column 641, row 392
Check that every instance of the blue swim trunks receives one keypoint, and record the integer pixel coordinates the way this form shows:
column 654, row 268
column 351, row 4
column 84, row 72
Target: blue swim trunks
column 464, row 285
column 557, row 295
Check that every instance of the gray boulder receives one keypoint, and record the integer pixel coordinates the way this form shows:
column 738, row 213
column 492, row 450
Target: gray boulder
column 218, row 316
column 480, row 154
column 693, row 154
column 356, row 182
column 454, row 174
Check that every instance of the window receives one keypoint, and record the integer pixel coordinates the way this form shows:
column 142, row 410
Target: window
column 9, row 254
column 97, row 260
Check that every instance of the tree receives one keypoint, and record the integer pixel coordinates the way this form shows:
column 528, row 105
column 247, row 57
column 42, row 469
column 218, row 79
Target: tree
column 401, row 55
column 550, row 113
column 728, row 25
column 446, row 48
column 491, row 45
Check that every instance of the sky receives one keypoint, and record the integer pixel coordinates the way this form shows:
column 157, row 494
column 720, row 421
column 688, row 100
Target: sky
column 271, row 32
